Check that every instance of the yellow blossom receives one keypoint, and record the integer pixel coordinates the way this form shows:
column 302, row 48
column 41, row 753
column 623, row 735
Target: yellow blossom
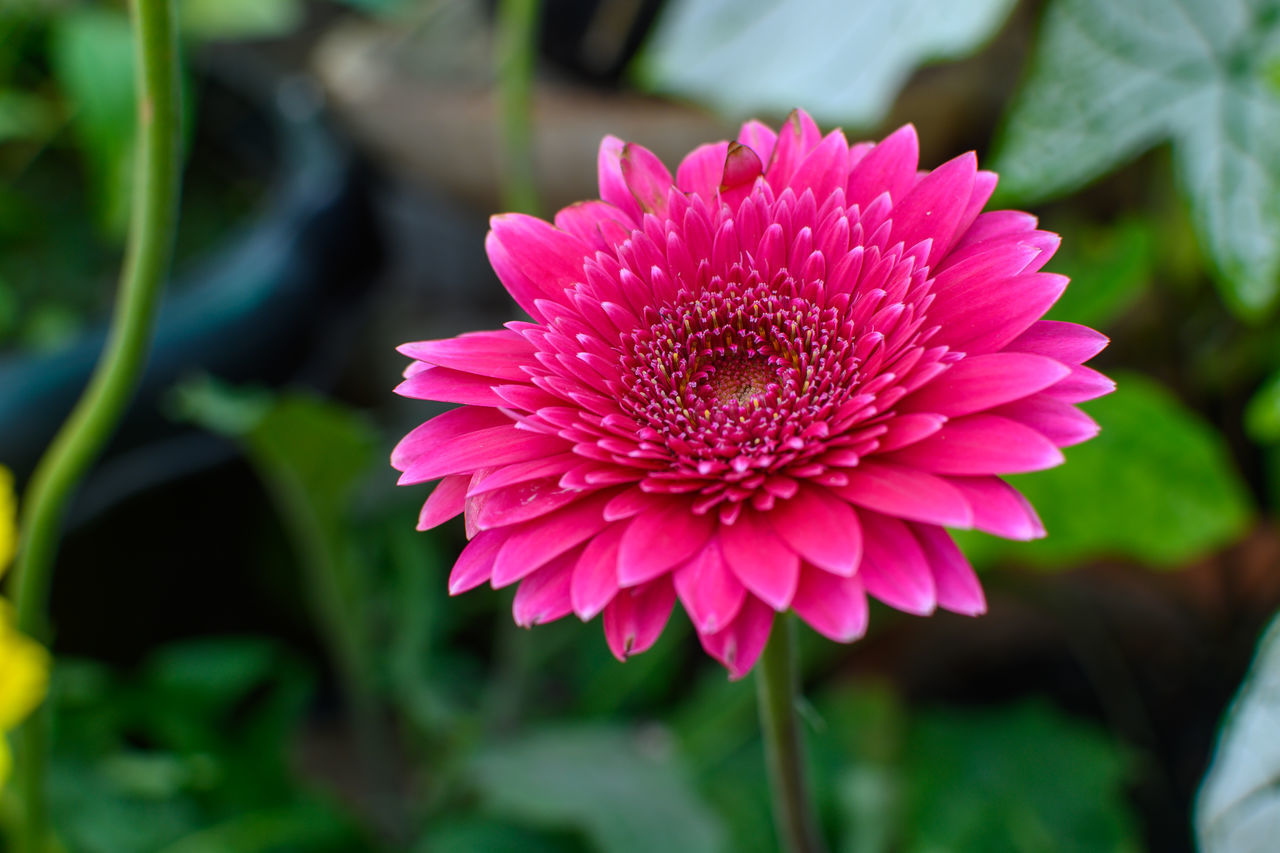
column 24, row 664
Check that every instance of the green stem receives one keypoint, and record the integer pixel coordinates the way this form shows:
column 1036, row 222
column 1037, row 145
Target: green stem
column 777, row 685
column 516, row 45
column 96, row 415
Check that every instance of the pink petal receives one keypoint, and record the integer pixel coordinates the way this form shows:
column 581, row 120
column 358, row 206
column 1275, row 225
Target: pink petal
column 761, row 559
column 445, row 501
column 1084, row 383
column 450, row 386
column 984, row 184
column 798, row 136
column 833, row 606
column 958, row 588
column 1061, row 423
column 483, row 448
column 520, row 472
column 910, row 428
column 1068, row 343
column 585, row 219
column 738, row 645
column 659, row 539
column 710, row 593
column 821, row 528
column 983, row 315
column 499, row 354
column 980, row 444
column 475, row 563
column 894, row 568
column 999, row 508
column 455, row 423
column 595, row 577
column 822, row 169
column 908, row 493
column 521, row 502
column 981, row 382
column 534, row 543
column 646, row 177
column 933, row 208
column 548, row 258
column 634, row 620
column 702, row 169
column 993, row 224
column 889, row 167
column 759, row 137
column 543, row 596
column 613, row 187
column 742, row 167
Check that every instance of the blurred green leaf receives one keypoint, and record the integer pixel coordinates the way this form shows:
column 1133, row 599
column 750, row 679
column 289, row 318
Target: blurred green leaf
column 1112, row 78
column 623, row 789
column 1157, row 485
column 91, row 54
column 24, row 115
column 188, row 751
column 302, row 827
column 1024, row 779
column 1110, row 267
column 1262, row 414
column 1238, row 807
column 239, row 19
column 842, row 61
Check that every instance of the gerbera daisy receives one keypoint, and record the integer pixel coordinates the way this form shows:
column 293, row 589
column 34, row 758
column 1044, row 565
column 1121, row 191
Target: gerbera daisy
column 767, row 384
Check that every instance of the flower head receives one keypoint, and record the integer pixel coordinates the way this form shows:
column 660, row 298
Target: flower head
column 24, row 664
column 767, row 384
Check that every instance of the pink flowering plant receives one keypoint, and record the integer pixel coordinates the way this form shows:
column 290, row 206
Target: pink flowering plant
column 769, row 383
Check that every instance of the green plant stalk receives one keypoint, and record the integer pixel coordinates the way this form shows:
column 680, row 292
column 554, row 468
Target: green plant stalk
column 777, row 683
column 516, row 50
column 96, row 415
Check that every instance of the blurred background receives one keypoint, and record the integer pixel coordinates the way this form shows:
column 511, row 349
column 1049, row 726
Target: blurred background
column 255, row 649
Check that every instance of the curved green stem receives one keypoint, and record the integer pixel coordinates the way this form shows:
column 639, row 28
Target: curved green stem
column 95, row 417
column 777, row 684
column 516, row 44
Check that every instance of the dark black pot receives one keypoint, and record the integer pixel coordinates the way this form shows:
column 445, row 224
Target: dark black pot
column 262, row 309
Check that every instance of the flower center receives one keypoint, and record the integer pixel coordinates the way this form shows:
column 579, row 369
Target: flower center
column 737, row 379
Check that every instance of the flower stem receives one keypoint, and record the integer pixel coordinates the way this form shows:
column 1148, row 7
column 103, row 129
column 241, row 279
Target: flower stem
column 777, row 684
column 96, row 415
column 517, row 39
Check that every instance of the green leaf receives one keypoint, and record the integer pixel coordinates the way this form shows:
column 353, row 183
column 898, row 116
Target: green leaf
column 1110, row 267
column 842, row 60
column 1024, row 779
column 91, row 53
column 25, row 116
column 301, row 827
column 1157, row 485
column 1262, row 414
column 1238, row 808
column 239, row 19
column 624, row 790
column 1112, row 78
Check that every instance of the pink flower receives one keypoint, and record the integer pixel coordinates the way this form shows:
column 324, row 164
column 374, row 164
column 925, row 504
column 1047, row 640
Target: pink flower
column 767, row 384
